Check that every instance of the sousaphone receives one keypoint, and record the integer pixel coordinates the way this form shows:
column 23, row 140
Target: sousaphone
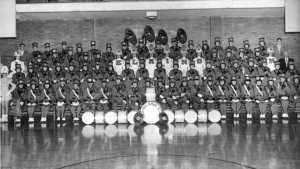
column 130, row 37
column 181, row 36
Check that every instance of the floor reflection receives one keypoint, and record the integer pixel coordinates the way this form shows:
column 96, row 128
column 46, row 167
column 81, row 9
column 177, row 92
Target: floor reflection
column 181, row 146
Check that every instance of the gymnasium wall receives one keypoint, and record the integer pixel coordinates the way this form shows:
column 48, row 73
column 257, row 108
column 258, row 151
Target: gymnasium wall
column 111, row 29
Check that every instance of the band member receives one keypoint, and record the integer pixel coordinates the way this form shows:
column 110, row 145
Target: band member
column 236, row 71
column 223, row 71
column 200, row 64
column 142, row 50
column 184, row 63
column 134, row 62
column 273, row 96
column 19, row 99
column 248, row 51
column 48, row 99
column 19, row 75
column 111, row 74
column 167, row 63
column 196, row 94
column 118, row 63
column 34, row 99
column 205, row 50
column 209, row 93
column 172, row 96
column 160, row 72
column 151, row 63
column 276, row 72
column 45, row 73
column 72, row 73
column 175, row 50
column 90, row 94
column 271, row 59
column 75, row 98
column 235, row 96
column 264, row 72
column 191, row 52
column 251, row 70
column 284, row 92
column 261, row 97
column 262, row 47
column 219, row 49
column 108, row 55
column 62, row 94
column 119, row 95
column 222, row 93
column 184, row 95
column 292, row 72
column 58, row 73
column 209, row 71
column 64, row 49
column 93, row 51
column 176, row 73
column 192, row 72
column 79, row 52
column 134, row 96
column 31, row 74
column 295, row 94
column 231, row 46
column 247, row 95
column 126, row 52
column 284, row 62
column 142, row 72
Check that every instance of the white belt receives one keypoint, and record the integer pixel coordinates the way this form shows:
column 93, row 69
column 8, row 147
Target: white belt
column 46, row 103
column 75, row 103
column 272, row 99
column 284, row 98
column 222, row 100
column 210, row 101
column 60, row 103
column 235, row 100
column 248, row 100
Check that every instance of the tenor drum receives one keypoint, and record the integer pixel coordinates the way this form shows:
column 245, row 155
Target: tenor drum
column 170, row 114
column 151, row 111
column 214, row 116
column 99, row 117
column 150, row 94
column 122, row 116
column 131, row 115
column 190, row 116
column 88, row 117
column 111, row 117
column 202, row 116
column 179, row 116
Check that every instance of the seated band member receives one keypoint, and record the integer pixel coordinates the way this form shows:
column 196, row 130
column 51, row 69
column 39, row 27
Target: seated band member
column 284, row 92
column 209, row 93
column 247, row 93
column 261, row 97
column 34, row 99
column 75, row 98
column 235, row 96
column 222, row 93
column 19, row 100
column 48, row 99
column 62, row 95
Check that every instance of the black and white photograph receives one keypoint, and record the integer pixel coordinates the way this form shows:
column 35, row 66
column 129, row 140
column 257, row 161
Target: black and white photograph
column 150, row 84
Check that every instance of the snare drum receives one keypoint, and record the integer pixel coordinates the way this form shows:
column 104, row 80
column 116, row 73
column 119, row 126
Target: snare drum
column 171, row 116
column 150, row 112
column 131, row 115
column 111, row 117
column 214, row 116
column 202, row 115
column 88, row 117
column 179, row 116
column 99, row 117
column 122, row 116
column 190, row 116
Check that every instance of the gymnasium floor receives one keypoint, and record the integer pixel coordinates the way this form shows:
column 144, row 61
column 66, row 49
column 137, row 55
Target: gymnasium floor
column 201, row 146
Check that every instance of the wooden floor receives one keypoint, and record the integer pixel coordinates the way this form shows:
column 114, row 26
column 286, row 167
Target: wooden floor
column 201, row 146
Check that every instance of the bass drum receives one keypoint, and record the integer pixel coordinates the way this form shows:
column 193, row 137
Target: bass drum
column 111, row 117
column 179, row 116
column 131, row 116
column 214, row 116
column 150, row 112
column 190, row 116
column 88, row 117
column 122, row 116
column 202, row 116
column 99, row 117
column 170, row 114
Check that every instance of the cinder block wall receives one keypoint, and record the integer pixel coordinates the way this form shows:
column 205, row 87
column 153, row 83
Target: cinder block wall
column 111, row 30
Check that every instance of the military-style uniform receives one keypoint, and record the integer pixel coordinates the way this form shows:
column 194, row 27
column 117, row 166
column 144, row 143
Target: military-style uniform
column 90, row 94
column 205, row 50
column 196, row 94
column 93, row 51
column 222, row 93
column 209, row 71
column 175, row 50
column 45, row 73
column 273, row 96
column 277, row 71
column 191, row 52
column 134, row 63
column 184, row 65
column 19, row 99
column 64, row 50
column 75, row 98
column 31, row 74
column 172, row 95
column 176, row 73
column 72, row 73
column 295, row 94
column 223, row 71
column 247, row 94
column 200, row 65
column 18, row 76
column 79, row 52
column 219, row 49
column 142, row 72
column 160, row 72
column 185, row 95
column 261, row 96
column 291, row 72
column 48, row 99
column 119, row 95
column 118, row 64
column 142, row 50
column 34, row 98
column 262, row 47
column 126, row 52
column 248, row 51
column 151, row 65
column 236, row 71
column 192, row 72
column 159, row 52
column 251, row 70
column 209, row 93
column 284, row 92
column 235, row 94
column 58, row 73
column 134, row 96
column 62, row 95
column 231, row 47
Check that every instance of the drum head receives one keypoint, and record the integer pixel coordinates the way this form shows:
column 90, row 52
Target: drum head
column 151, row 111
column 99, row 117
column 111, row 117
column 190, row 116
column 179, row 116
column 88, row 117
column 122, row 117
column 171, row 116
column 150, row 94
column 214, row 116
column 202, row 116
column 130, row 116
